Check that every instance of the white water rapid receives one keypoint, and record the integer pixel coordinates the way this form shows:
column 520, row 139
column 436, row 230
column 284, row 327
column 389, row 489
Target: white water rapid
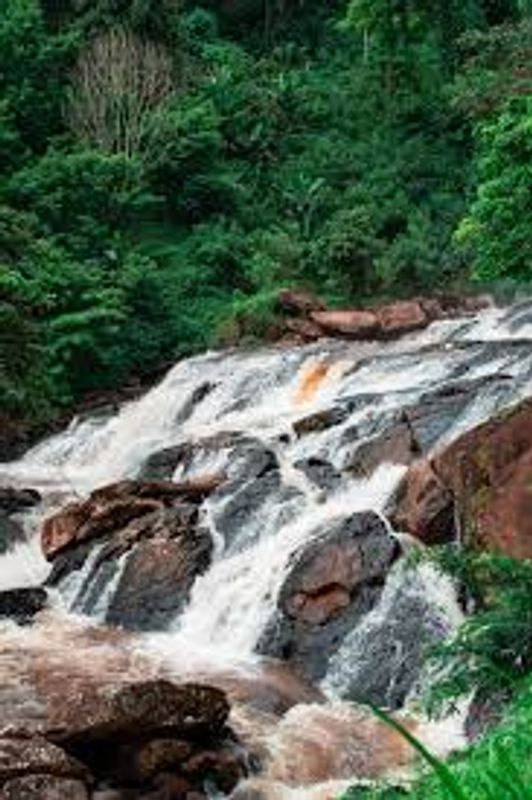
column 245, row 413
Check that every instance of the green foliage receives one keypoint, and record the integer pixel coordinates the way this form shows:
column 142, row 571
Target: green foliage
column 497, row 768
column 32, row 68
column 498, row 228
column 279, row 145
column 492, row 650
column 83, row 199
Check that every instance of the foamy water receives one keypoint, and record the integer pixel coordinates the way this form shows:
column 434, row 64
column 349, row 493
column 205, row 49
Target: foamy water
column 257, row 397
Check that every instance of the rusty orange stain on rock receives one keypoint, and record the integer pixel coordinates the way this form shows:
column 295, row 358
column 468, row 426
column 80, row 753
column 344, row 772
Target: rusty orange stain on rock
column 311, row 378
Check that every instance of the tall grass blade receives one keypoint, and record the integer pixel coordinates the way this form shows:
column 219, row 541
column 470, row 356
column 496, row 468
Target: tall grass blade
column 440, row 769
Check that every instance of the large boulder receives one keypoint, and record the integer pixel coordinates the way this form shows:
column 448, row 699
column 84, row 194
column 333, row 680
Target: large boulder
column 482, row 482
column 157, row 579
column 132, row 712
column 381, row 660
column 353, row 324
column 145, row 537
column 332, row 582
column 424, row 505
column 416, row 429
column 153, row 562
column 383, row 322
column 113, row 507
column 253, row 495
column 139, row 734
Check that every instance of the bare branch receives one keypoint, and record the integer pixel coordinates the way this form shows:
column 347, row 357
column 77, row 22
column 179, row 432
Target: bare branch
column 118, row 80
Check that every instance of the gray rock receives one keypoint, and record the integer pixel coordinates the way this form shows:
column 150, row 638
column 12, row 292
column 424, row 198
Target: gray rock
column 333, row 581
column 320, row 472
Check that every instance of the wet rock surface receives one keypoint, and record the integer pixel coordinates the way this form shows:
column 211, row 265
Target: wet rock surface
column 416, row 429
column 253, row 492
column 333, row 581
column 146, row 536
column 113, row 507
column 11, row 533
column 13, row 500
column 381, row 661
column 21, row 605
column 23, row 756
column 254, row 463
column 156, row 580
column 477, row 488
column 136, row 738
column 44, row 787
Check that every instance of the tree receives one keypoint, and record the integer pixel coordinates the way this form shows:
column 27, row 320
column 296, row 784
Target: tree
column 118, row 81
column 498, row 228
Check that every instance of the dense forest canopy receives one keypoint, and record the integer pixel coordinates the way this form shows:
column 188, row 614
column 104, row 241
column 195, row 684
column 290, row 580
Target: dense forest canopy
column 167, row 165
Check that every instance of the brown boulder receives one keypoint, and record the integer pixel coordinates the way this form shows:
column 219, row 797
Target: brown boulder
column 424, row 505
column 44, row 787
column 489, row 472
column 352, row 324
column 483, row 481
column 137, row 709
column 146, row 535
column 160, row 755
column 400, row 318
column 113, row 507
column 60, row 530
column 22, row 757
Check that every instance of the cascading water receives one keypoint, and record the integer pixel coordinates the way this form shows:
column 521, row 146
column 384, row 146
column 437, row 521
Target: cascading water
column 242, row 413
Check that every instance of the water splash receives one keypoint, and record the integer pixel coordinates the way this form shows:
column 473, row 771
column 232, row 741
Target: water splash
column 247, row 403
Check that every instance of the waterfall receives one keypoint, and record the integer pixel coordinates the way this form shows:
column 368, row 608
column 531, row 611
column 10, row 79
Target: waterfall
column 286, row 425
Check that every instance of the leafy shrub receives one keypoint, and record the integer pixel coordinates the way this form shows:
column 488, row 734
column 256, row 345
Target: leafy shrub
column 499, row 225
column 492, row 650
